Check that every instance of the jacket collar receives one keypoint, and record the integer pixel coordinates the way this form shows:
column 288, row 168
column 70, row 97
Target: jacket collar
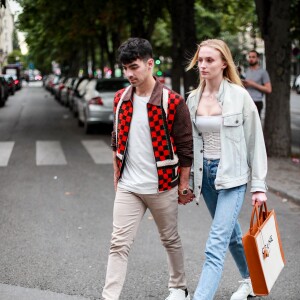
column 155, row 97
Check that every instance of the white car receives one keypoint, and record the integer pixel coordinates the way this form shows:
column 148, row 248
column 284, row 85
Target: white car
column 96, row 105
column 297, row 84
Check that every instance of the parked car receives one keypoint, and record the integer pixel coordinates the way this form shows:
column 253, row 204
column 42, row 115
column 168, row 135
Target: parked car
column 3, row 91
column 64, row 94
column 78, row 94
column 4, row 86
column 17, row 81
column 51, row 82
column 96, row 105
column 14, row 71
column 297, row 84
column 11, row 84
column 58, row 87
column 73, row 90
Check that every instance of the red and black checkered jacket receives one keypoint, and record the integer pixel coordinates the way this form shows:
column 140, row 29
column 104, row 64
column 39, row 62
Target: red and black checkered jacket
column 170, row 129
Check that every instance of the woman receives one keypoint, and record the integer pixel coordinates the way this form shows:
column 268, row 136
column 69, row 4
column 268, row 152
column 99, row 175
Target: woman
column 229, row 151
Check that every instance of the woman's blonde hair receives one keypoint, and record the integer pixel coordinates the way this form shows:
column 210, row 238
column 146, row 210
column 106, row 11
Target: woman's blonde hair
column 230, row 72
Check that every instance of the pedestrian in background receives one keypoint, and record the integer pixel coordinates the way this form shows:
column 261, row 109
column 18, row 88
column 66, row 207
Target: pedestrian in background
column 229, row 151
column 257, row 80
column 152, row 139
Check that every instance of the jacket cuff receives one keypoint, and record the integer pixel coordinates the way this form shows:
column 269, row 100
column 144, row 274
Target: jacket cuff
column 258, row 186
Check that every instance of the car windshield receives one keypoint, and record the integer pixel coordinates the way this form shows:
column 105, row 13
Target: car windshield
column 111, row 85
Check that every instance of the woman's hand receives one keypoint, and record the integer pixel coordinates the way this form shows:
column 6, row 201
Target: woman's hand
column 259, row 198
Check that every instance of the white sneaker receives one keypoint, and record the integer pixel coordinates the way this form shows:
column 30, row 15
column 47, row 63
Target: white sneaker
column 178, row 294
column 244, row 290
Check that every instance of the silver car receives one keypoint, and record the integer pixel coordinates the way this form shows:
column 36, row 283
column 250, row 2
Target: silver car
column 96, row 105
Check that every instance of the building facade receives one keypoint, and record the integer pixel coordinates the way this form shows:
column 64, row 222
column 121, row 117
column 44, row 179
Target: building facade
column 6, row 33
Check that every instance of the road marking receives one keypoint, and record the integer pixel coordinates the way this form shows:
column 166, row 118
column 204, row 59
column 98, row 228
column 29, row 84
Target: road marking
column 99, row 151
column 49, row 153
column 5, row 152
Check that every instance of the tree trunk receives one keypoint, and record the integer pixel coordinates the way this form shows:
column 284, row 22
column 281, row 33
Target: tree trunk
column 188, row 44
column 86, row 58
column 175, row 10
column 183, row 43
column 74, row 63
column 274, row 22
column 93, row 56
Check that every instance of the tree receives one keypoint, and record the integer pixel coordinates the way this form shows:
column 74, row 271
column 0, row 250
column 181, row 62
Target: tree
column 275, row 22
column 183, row 42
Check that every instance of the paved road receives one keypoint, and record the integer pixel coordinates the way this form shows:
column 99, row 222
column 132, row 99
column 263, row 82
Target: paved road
column 56, row 200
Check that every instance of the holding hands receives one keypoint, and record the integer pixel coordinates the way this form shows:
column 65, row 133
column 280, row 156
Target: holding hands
column 185, row 196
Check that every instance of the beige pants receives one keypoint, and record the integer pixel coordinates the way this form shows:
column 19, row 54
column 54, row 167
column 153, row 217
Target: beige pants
column 129, row 209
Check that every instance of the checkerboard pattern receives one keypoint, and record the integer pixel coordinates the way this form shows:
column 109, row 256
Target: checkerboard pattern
column 124, row 119
column 160, row 128
column 166, row 178
column 160, row 144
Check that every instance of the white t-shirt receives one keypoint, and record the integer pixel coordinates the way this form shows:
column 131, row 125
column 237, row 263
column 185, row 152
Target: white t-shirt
column 140, row 173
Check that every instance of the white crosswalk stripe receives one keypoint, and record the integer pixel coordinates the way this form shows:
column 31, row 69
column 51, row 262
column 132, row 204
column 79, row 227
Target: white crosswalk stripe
column 49, row 153
column 99, row 151
column 5, row 152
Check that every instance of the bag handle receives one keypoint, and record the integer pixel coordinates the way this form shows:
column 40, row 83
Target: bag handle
column 258, row 214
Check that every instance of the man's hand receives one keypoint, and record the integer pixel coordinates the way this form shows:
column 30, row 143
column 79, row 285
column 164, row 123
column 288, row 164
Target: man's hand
column 116, row 170
column 185, row 199
column 259, row 198
column 249, row 83
column 116, row 177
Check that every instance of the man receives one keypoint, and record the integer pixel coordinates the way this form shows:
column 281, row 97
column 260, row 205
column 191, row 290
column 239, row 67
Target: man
column 152, row 139
column 257, row 81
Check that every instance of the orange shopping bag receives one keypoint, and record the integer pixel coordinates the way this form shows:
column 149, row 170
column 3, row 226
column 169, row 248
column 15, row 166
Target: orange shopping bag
column 263, row 250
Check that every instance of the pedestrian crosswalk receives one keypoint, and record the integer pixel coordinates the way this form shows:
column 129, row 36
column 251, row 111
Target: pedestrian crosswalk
column 49, row 153
column 5, row 152
column 98, row 151
column 52, row 153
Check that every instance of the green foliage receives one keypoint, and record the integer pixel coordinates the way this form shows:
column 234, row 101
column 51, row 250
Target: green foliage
column 16, row 56
column 295, row 20
column 16, row 45
column 70, row 33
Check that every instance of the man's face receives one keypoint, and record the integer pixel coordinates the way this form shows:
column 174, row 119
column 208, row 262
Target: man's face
column 138, row 71
column 252, row 59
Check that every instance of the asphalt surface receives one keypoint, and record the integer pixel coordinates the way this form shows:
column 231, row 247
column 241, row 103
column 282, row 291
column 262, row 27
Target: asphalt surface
column 56, row 221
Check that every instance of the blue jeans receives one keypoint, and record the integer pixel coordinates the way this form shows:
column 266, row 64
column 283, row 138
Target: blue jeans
column 224, row 207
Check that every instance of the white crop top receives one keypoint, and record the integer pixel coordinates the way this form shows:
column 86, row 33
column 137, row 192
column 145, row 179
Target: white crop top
column 210, row 126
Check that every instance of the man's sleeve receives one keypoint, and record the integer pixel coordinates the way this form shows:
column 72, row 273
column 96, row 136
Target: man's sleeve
column 266, row 77
column 113, row 134
column 182, row 133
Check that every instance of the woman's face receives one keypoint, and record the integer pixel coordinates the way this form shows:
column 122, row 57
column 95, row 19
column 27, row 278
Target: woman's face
column 210, row 63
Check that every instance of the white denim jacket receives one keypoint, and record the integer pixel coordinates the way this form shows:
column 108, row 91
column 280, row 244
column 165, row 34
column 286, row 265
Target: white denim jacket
column 243, row 152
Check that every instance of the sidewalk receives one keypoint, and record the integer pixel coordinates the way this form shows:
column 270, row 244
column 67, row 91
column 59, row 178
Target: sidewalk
column 283, row 178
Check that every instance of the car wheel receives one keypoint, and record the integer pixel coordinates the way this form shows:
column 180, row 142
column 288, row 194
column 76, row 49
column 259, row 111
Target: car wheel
column 298, row 89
